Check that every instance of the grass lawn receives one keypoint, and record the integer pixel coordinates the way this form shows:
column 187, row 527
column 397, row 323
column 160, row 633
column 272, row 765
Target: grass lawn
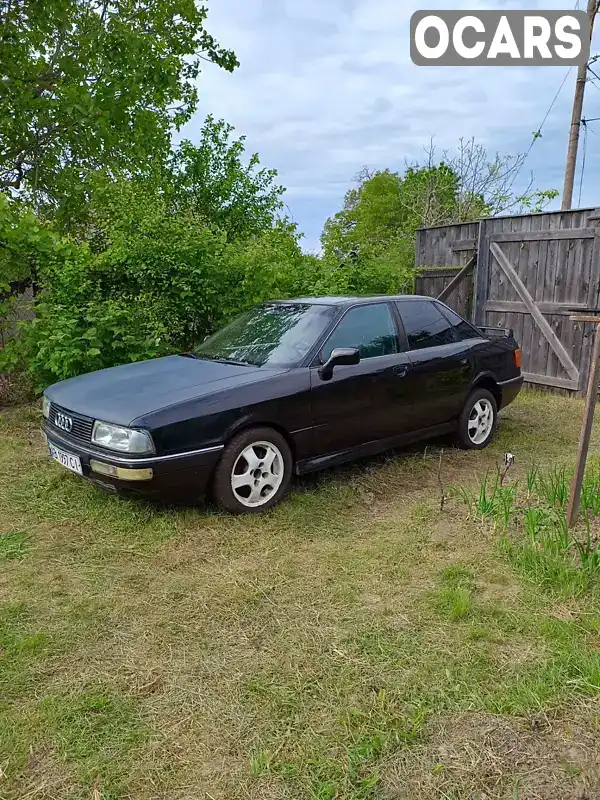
column 357, row 642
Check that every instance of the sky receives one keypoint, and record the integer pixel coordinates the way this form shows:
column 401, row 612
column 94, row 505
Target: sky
column 326, row 87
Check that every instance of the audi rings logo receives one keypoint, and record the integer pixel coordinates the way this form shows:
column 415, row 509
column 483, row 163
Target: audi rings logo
column 63, row 422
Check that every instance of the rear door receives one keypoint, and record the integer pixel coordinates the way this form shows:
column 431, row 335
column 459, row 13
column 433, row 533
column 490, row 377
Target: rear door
column 370, row 400
column 442, row 363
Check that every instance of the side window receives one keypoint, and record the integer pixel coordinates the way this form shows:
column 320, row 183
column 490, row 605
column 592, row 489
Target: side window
column 462, row 329
column 369, row 328
column 425, row 325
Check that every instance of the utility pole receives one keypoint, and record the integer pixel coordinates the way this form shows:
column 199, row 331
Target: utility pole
column 588, row 420
column 567, row 200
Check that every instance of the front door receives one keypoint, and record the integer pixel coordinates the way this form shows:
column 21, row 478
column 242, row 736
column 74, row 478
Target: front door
column 370, row 400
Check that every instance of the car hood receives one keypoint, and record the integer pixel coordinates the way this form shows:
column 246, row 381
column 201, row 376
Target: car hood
column 122, row 394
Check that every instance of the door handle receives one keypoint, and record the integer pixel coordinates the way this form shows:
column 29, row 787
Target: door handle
column 401, row 370
column 464, row 362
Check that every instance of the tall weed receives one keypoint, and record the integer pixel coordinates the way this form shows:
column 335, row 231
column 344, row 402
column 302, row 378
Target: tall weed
column 535, row 534
column 553, row 487
column 493, row 501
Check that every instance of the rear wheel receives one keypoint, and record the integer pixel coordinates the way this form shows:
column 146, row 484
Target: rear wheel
column 478, row 420
column 254, row 472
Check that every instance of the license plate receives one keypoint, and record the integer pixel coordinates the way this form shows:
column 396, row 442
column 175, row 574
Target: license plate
column 66, row 459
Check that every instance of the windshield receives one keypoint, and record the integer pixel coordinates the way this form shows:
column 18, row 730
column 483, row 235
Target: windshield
column 274, row 335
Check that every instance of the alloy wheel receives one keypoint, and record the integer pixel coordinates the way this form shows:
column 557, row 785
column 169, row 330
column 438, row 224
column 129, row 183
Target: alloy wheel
column 481, row 421
column 257, row 474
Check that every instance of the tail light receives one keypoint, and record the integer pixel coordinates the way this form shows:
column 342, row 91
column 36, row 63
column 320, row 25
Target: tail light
column 518, row 358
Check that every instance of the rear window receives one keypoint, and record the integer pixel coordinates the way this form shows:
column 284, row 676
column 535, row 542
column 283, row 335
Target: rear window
column 424, row 324
column 462, row 329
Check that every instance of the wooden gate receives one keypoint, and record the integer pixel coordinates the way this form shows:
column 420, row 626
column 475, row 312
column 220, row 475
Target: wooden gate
column 532, row 279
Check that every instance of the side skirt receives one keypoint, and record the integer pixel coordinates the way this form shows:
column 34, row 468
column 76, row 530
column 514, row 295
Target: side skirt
column 372, row 448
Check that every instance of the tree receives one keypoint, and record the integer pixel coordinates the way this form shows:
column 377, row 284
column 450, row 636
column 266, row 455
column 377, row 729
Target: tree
column 94, row 84
column 485, row 183
column 158, row 261
column 212, row 180
column 240, row 198
column 371, row 240
column 387, row 208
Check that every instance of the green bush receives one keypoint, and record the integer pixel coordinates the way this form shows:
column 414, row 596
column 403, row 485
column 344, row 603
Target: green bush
column 153, row 264
column 158, row 288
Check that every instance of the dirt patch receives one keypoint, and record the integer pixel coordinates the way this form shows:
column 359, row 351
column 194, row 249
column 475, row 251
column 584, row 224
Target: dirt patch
column 474, row 755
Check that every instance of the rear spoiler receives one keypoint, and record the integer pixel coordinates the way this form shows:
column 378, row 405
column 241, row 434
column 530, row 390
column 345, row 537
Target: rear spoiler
column 497, row 333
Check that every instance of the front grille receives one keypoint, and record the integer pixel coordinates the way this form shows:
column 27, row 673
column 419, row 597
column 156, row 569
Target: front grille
column 81, row 430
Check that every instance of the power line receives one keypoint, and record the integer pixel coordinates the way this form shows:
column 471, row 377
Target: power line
column 593, row 73
column 586, row 128
column 537, row 134
column 585, row 122
column 560, row 88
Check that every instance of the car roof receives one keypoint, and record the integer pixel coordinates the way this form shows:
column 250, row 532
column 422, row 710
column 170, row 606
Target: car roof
column 352, row 301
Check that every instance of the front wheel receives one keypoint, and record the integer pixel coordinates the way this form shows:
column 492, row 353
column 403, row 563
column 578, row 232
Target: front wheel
column 478, row 421
column 254, row 472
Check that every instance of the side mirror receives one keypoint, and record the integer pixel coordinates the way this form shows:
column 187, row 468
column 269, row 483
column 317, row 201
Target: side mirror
column 341, row 356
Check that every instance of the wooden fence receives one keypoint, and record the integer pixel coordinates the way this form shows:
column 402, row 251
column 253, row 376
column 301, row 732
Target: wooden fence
column 433, row 282
column 530, row 273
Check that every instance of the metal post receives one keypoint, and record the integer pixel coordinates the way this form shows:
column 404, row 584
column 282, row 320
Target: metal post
column 586, row 425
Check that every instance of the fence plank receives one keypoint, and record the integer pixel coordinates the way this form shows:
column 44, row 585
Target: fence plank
column 547, row 380
column 481, row 276
column 448, row 272
column 464, row 244
column 537, row 236
column 516, row 307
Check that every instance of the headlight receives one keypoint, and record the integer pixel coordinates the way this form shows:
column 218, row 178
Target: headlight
column 126, row 440
column 45, row 406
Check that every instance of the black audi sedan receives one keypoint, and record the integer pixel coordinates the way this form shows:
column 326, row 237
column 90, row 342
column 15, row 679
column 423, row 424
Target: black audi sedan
column 289, row 387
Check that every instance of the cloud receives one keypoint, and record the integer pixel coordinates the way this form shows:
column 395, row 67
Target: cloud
column 327, row 87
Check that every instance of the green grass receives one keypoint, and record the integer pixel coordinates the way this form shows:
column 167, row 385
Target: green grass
column 315, row 652
column 13, row 544
column 97, row 733
column 454, row 599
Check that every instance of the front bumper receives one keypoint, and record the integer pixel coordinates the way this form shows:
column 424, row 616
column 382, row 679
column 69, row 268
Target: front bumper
column 174, row 476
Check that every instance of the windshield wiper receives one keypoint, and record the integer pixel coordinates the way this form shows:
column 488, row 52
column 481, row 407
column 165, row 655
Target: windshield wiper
column 218, row 359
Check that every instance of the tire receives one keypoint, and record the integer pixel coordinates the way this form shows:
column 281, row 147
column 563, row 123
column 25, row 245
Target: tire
column 254, row 472
column 481, row 408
